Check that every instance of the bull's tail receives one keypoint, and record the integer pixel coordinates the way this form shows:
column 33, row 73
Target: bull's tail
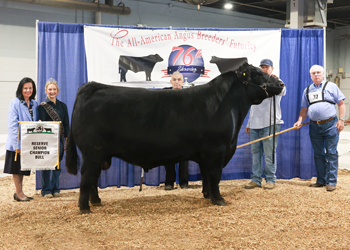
column 71, row 154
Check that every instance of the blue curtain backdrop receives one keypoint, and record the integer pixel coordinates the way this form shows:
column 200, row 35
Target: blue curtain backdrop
column 61, row 55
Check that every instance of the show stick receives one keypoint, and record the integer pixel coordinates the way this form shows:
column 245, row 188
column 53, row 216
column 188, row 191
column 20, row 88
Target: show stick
column 266, row 137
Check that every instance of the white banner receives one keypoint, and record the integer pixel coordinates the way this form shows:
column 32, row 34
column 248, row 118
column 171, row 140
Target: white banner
column 147, row 57
column 39, row 145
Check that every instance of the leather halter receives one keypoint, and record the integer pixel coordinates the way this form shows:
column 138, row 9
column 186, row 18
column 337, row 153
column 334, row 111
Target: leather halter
column 263, row 86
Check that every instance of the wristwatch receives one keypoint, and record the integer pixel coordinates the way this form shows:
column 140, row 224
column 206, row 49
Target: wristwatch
column 343, row 119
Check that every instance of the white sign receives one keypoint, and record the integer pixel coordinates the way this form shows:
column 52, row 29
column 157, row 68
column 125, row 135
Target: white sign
column 40, row 143
column 147, row 57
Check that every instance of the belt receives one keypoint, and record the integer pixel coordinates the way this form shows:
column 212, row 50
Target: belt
column 324, row 121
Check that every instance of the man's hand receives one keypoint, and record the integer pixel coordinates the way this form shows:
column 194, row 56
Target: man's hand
column 247, row 130
column 297, row 124
column 302, row 116
column 339, row 125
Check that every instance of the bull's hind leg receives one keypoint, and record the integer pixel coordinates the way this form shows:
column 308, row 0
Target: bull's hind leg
column 94, row 198
column 90, row 172
column 205, row 182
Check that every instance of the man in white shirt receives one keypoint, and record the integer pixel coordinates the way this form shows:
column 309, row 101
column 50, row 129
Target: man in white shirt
column 259, row 126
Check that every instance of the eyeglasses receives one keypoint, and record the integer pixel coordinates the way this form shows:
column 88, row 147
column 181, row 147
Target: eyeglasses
column 316, row 72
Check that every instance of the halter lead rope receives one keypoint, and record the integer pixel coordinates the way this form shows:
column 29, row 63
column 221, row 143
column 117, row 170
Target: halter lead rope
column 274, row 129
column 274, row 126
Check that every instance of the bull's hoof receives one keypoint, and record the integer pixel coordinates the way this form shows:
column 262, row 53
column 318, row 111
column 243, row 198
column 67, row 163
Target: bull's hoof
column 96, row 201
column 96, row 204
column 85, row 211
column 206, row 195
column 220, row 202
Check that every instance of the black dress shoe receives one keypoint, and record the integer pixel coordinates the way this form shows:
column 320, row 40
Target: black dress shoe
column 21, row 200
column 184, row 186
column 317, row 185
column 169, row 187
column 15, row 195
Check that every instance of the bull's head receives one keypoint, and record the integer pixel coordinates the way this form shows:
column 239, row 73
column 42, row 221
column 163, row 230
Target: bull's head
column 254, row 76
column 156, row 58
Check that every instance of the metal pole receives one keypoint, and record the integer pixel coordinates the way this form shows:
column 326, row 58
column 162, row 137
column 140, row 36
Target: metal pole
column 142, row 173
column 296, row 14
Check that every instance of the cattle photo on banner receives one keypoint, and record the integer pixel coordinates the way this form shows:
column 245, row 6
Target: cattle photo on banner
column 146, row 58
column 39, row 145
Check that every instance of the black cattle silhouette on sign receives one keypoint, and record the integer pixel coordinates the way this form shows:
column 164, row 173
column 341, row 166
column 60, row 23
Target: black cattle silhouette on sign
column 137, row 64
column 30, row 130
column 228, row 64
column 48, row 129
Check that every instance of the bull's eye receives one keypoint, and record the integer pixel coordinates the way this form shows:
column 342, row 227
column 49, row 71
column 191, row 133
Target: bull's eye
column 255, row 75
column 243, row 74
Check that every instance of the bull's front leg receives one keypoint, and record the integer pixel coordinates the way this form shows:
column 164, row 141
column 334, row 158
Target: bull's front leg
column 148, row 75
column 214, row 180
column 211, row 170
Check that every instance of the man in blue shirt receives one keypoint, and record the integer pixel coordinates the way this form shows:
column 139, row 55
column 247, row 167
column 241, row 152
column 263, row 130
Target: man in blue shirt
column 318, row 103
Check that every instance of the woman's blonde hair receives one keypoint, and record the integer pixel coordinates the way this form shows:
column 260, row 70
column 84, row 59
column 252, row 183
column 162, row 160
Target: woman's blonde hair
column 54, row 82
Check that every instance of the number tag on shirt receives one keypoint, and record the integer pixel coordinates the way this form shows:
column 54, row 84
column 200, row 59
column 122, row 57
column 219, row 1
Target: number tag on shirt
column 315, row 96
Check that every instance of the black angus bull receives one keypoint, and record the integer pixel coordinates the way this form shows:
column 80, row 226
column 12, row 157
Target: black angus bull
column 151, row 128
column 137, row 64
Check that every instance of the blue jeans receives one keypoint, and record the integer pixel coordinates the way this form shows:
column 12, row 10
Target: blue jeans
column 51, row 184
column 258, row 150
column 324, row 139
